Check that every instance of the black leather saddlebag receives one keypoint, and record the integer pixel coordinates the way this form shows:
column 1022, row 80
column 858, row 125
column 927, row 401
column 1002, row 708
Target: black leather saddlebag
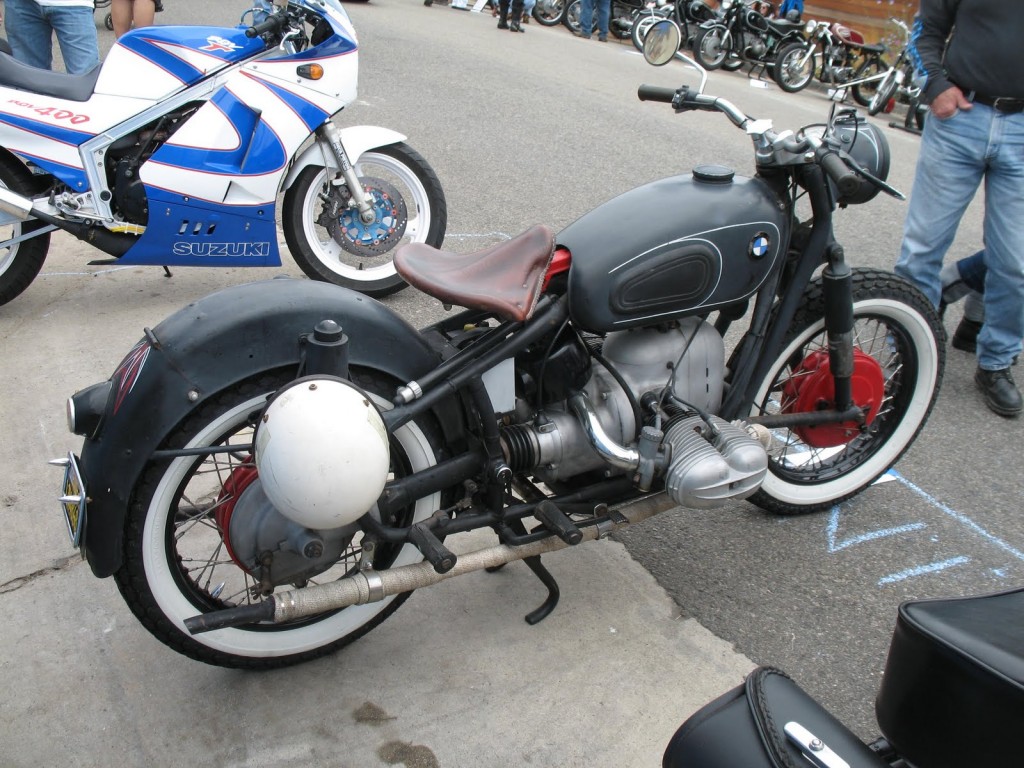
column 768, row 722
column 953, row 690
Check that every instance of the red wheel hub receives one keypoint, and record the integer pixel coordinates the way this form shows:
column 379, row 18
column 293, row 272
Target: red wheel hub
column 240, row 478
column 811, row 388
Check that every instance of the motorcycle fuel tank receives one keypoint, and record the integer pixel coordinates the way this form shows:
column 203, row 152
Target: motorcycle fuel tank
column 679, row 246
column 151, row 63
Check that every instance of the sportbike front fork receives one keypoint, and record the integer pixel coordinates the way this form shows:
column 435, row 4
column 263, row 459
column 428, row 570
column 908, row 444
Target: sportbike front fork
column 330, row 134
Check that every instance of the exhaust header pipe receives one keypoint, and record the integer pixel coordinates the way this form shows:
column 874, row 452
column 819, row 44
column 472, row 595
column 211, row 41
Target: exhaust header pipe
column 373, row 586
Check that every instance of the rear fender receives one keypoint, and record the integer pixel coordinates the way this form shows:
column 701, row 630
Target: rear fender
column 356, row 139
column 211, row 344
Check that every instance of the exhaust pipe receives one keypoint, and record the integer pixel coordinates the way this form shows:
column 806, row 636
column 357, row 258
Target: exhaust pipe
column 373, row 586
column 15, row 204
column 112, row 243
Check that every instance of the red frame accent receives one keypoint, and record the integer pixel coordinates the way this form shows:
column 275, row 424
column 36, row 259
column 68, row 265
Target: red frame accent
column 560, row 263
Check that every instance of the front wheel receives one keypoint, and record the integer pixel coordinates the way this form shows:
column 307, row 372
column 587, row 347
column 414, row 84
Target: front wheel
column 899, row 357
column 709, row 48
column 863, row 92
column 330, row 242
column 884, row 93
column 20, row 260
column 198, row 523
column 794, row 67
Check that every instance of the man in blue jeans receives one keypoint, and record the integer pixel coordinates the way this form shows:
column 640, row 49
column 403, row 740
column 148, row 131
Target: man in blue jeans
column 30, row 25
column 587, row 8
column 975, row 134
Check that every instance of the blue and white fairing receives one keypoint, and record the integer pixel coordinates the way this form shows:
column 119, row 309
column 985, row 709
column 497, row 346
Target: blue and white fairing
column 212, row 187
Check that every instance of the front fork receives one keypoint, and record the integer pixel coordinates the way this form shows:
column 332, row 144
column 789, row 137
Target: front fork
column 330, row 134
column 837, row 282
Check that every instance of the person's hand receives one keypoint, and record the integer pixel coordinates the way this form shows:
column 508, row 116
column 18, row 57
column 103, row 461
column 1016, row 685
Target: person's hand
column 948, row 102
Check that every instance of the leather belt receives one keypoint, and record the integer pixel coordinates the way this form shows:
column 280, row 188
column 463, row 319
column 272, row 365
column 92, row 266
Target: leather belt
column 1003, row 104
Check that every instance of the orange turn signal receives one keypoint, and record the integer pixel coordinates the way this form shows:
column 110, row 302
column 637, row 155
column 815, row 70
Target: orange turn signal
column 310, row 71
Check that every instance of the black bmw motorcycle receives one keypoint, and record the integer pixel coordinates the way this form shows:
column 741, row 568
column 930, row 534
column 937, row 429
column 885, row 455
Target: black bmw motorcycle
column 740, row 34
column 272, row 470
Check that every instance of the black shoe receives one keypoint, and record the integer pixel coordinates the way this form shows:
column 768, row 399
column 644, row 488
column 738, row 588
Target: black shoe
column 965, row 337
column 514, row 26
column 502, row 25
column 602, row 39
column 1000, row 392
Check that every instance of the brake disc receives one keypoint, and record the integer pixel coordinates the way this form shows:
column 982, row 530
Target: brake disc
column 342, row 221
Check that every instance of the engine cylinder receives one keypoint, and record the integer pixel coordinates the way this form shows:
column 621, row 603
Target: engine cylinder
column 708, row 471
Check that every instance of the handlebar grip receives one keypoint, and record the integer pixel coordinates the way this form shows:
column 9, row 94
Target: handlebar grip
column 845, row 179
column 272, row 23
column 655, row 93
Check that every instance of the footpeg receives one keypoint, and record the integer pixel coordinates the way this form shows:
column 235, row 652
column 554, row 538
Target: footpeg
column 436, row 553
column 556, row 521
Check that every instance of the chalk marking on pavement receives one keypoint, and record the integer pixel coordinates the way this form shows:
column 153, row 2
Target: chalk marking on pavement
column 960, row 517
column 920, row 570
column 833, row 529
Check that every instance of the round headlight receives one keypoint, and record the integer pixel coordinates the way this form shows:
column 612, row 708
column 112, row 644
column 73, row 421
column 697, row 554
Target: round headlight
column 810, row 26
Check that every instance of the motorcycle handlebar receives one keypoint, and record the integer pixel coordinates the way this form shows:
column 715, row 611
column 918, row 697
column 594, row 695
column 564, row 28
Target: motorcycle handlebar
column 273, row 23
column 832, row 164
column 656, row 93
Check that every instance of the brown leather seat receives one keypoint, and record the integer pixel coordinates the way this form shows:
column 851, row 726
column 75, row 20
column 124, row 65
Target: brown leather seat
column 505, row 279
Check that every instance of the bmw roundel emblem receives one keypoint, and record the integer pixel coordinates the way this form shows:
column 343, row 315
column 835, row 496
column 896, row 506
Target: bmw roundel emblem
column 759, row 245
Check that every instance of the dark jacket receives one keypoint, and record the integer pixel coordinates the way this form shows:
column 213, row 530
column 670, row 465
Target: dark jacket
column 975, row 44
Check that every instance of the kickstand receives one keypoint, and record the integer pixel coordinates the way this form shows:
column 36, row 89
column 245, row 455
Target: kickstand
column 548, row 581
column 542, row 573
column 167, row 272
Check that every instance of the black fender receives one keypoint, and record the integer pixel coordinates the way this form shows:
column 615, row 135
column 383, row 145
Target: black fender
column 213, row 343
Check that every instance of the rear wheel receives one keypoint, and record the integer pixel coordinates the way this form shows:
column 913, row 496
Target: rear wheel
column 330, row 242
column 898, row 367
column 19, row 262
column 178, row 556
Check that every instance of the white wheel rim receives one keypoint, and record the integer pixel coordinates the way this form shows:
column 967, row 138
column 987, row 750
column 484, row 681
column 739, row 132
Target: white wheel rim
column 923, row 341
column 336, row 259
column 258, row 644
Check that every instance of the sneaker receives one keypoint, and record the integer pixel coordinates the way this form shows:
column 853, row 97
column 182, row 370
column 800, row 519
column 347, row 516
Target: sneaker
column 965, row 337
column 603, row 39
column 1000, row 392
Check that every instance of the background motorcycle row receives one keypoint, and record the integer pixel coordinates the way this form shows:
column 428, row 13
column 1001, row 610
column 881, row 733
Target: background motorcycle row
column 521, row 129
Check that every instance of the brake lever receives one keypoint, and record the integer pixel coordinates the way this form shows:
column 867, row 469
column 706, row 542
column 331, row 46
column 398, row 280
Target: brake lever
column 864, row 173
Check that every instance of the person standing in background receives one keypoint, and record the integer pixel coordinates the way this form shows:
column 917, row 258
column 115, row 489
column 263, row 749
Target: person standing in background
column 31, row 24
column 128, row 14
column 968, row 52
column 604, row 11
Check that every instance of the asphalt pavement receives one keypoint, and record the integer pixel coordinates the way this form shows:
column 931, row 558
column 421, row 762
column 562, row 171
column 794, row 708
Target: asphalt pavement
column 521, row 129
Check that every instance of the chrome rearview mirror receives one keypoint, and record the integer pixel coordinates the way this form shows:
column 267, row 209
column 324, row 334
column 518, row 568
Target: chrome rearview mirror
column 661, row 43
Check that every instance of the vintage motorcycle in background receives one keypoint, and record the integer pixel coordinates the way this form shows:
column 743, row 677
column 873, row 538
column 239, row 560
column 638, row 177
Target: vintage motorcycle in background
column 899, row 85
column 740, row 35
column 620, row 20
column 175, row 149
column 270, row 471
column 838, row 55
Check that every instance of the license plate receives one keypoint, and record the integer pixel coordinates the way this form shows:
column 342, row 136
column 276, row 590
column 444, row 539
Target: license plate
column 72, row 499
